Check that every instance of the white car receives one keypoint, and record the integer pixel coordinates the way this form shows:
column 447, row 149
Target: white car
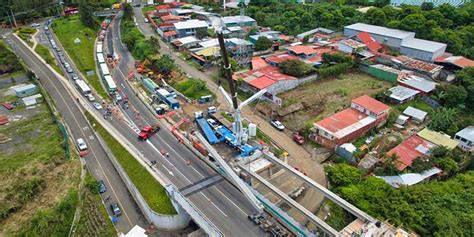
column 91, row 98
column 212, row 122
column 97, row 105
column 118, row 97
column 35, row 25
column 211, row 110
column 81, row 144
column 277, row 124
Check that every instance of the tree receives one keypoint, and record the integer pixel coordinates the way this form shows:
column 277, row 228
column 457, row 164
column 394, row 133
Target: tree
column 466, row 80
column 86, row 12
column 426, row 6
column 263, row 43
column 295, row 67
column 344, row 175
column 448, row 165
column 443, row 120
column 164, row 64
column 453, row 95
column 413, row 22
column 376, row 16
column 201, row 33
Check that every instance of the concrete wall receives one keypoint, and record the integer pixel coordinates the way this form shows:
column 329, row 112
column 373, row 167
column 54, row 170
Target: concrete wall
column 286, row 85
column 166, row 222
column 423, row 55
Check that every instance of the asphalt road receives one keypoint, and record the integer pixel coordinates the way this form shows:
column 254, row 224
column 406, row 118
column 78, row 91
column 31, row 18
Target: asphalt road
column 96, row 160
column 221, row 202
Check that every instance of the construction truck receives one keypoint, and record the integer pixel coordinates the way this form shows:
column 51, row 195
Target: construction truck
column 147, row 131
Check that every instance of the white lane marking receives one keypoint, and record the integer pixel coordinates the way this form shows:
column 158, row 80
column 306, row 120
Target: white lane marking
column 230, row 200
column 209, row 200
column 169, row 171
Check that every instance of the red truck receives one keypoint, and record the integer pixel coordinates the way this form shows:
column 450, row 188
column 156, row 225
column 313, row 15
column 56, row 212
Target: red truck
column 298, row 138
column 147, row 131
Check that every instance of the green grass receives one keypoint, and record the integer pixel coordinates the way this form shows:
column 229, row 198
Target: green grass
column 25, row 34
column 417, row 103
column 67, row 29
column 41, row 141
column 54, row 221
column 147, row 9
column 154, row 194
column 192, row 88
column 48, row 57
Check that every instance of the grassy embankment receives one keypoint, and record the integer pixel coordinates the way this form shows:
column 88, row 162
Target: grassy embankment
column 67, row 29
column 25, row 34
column 48, row 57
column 154, row 194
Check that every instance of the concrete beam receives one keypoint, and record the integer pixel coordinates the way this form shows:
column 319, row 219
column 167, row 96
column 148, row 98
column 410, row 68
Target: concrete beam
column 327, row 193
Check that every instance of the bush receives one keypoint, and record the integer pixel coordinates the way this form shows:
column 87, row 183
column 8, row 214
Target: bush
column 263, row 43
column 334, row 70
column 296, row 68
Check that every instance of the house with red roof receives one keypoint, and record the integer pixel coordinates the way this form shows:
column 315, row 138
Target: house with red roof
column 170, row 35
column 275, row 60
column 347, row 125
column 370, row 42
column 409, row 150
column 302, row 51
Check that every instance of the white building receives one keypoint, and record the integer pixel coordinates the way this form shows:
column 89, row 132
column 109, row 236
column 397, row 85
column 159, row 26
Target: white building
column 466, row 138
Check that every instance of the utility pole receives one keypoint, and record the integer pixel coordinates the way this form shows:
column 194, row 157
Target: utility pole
column 13, row 15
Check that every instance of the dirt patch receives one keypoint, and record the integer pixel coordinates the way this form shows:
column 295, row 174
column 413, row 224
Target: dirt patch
column 321, row 98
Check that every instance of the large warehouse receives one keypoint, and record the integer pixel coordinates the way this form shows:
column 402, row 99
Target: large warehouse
column 404, row 41
column 383, row 35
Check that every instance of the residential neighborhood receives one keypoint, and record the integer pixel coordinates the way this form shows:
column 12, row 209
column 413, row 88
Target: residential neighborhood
column 237, row 118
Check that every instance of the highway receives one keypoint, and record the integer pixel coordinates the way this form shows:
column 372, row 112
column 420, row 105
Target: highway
column 96, row 160
column 221, row 202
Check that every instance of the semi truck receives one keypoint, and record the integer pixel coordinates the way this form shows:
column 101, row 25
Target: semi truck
column 147, row 131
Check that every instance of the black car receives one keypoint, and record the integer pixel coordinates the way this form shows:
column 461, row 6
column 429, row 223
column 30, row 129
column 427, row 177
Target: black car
column 115, row 209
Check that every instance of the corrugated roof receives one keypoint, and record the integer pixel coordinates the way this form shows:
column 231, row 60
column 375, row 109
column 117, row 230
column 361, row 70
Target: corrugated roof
column 397, row 181
column 379, row 30
column 211, row 51
column 170, row 33
column 191, row 24
column 302, row 49
column 419, row 83
column 423, row 45
column 467, row 133
column 415, row 113
column 370, row 104
column 345, row 120
column 258, row 62
column 371, row 43
column 437, row 138
column 407, row 151
column 187, row 40
column 237, row 19
column 262, row 82
column 402, row 93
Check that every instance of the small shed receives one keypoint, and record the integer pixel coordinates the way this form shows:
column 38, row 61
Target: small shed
column 402, row 119
column 346, row 151
column 25, row 90
column 32, row 100
column 401, row 94
column 418, row 116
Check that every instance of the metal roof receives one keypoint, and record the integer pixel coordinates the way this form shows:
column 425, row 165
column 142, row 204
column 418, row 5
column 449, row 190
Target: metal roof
column 237, row 19
column 415, row 113
column 191, row 24
column 402, row 93
column 423, row 45
column 419, row 83
column 379, row 30
column 467, row 133
column 187, row 40
column 438, row 138
column 409, row 179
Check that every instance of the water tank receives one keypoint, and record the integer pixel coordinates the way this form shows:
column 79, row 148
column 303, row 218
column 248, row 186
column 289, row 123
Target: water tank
column 252, row 130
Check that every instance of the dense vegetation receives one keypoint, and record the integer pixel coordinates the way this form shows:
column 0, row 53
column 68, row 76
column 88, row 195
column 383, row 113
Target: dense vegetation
column 445, row 23
column 437, row 208
column 8, row 60
column 135, row 41
column 27, row 10
column 458, row 104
